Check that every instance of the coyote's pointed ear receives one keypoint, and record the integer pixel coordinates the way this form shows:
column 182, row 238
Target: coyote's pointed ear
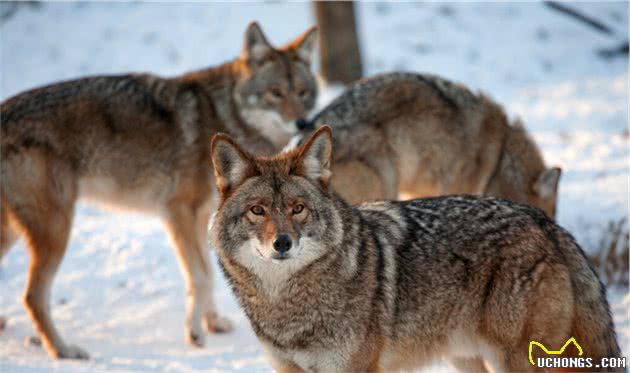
column 232, row 165
column 546, row 185
column 304, row 45
column 256, row 48
column 313, row 158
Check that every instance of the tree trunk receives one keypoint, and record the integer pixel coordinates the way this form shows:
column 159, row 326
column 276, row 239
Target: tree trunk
column 340, row 58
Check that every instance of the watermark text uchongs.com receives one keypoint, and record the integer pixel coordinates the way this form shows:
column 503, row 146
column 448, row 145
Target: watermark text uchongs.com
column 579, row 362
column 554, row 361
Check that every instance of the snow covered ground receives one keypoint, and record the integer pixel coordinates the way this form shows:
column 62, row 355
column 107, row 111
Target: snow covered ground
column 119, row 293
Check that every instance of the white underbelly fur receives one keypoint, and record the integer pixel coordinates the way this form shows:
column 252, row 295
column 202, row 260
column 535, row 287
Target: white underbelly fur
column 147, row 198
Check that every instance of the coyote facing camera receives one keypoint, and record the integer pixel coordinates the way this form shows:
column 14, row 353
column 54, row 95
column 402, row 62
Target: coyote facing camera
column 394, row 285
column 419, row 135
column 141, row 142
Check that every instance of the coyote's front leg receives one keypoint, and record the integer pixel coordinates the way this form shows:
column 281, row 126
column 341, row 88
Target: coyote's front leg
column 183, row 222
column 213, row 321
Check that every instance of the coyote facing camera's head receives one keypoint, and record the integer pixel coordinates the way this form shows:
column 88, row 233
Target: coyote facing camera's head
column 276, row 214
column 276, row 89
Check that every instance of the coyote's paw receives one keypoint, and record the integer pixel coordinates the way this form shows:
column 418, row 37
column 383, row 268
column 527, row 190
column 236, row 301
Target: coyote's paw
column 218, row 324
column 32, row 340
column 70, row 352
column 196, row 338
column 3, row 323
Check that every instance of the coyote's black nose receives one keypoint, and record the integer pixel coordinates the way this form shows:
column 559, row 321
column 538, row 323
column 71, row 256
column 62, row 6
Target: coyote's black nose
column 301, row 124
column 282, row 244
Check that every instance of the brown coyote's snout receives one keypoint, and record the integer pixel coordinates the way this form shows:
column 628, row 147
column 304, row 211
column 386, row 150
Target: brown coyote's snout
column 276, row 228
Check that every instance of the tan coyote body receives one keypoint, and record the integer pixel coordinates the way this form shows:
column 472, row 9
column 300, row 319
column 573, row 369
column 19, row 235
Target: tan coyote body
column 394, row 285
column 419, row 135
column 141, row 142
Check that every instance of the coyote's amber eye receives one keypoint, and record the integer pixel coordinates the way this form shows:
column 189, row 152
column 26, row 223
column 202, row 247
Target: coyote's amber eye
column 303, row 93
column 298, row 208
column 257, row 210
column 276, row 92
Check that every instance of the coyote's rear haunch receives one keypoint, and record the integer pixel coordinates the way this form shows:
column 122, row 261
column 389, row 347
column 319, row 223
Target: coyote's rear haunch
column 141, row 142
column 393, row 285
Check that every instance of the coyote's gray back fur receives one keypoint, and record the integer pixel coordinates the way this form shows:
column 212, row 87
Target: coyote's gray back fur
column 422, row 135
column 120, row 128
column 394, row 285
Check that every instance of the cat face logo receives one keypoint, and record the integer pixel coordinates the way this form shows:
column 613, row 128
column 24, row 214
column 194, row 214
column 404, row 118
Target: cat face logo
column 553, row 352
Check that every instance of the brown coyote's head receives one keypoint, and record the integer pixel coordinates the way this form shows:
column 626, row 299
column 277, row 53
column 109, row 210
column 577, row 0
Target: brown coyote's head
column 276, row 214
column 521, row 174
column 275, row 88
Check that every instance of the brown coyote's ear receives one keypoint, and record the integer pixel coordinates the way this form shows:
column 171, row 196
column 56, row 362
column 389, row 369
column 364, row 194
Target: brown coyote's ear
column 304, row 45
column 313, row 158
column 546, row 185
column 232, row 165
column 256, row 48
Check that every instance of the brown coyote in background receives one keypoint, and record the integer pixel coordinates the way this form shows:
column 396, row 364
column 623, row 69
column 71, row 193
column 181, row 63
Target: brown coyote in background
column 394, row 285
column 141, row 142
column 419, row 135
